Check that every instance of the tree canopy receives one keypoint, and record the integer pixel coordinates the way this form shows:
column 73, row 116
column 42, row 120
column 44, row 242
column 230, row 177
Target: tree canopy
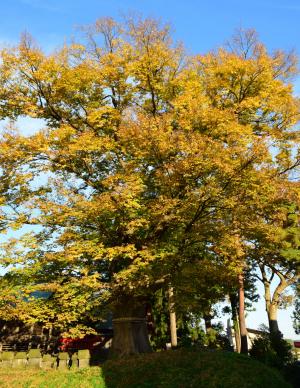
column 154, row 167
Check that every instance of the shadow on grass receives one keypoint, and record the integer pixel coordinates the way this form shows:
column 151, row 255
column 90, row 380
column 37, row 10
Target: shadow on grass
column 186, row 368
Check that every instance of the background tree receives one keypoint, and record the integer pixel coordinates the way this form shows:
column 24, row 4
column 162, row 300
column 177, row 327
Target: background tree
column 296, row 314
column 276, row 254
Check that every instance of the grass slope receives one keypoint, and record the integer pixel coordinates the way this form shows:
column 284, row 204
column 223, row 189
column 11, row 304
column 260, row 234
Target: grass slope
column 174, row 369
column 184, row 368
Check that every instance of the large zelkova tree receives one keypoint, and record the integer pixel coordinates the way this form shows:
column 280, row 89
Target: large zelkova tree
column 150, row 162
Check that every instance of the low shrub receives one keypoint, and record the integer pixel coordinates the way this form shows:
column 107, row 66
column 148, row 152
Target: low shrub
column 292, row 373
column 63, row 356
column 34, row 353
column 7, row 356
column 83, row 354
column 272, row 350
column 21, row 355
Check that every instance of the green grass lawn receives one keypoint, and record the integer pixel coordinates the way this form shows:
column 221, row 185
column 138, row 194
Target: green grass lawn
column 83, row 378
column 174, row 369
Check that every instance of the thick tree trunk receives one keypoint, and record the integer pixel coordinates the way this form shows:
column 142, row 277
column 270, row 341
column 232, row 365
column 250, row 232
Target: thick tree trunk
column 242, row 321
column 173, row 328
column 234, row 305
column 272, row 317
column 130, row 329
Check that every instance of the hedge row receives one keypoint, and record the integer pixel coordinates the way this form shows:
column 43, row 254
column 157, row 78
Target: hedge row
column 34, row 358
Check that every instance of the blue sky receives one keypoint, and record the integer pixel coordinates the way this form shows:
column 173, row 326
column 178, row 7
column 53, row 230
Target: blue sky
column 201, row 25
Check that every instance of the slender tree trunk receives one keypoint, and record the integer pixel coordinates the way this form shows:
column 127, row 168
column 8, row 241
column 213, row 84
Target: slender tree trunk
column 242, row 321
column 173, row 328
column 207, row 321
column 130, row 328
column 273, row 301
column 208, row 328
column 234, row 306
